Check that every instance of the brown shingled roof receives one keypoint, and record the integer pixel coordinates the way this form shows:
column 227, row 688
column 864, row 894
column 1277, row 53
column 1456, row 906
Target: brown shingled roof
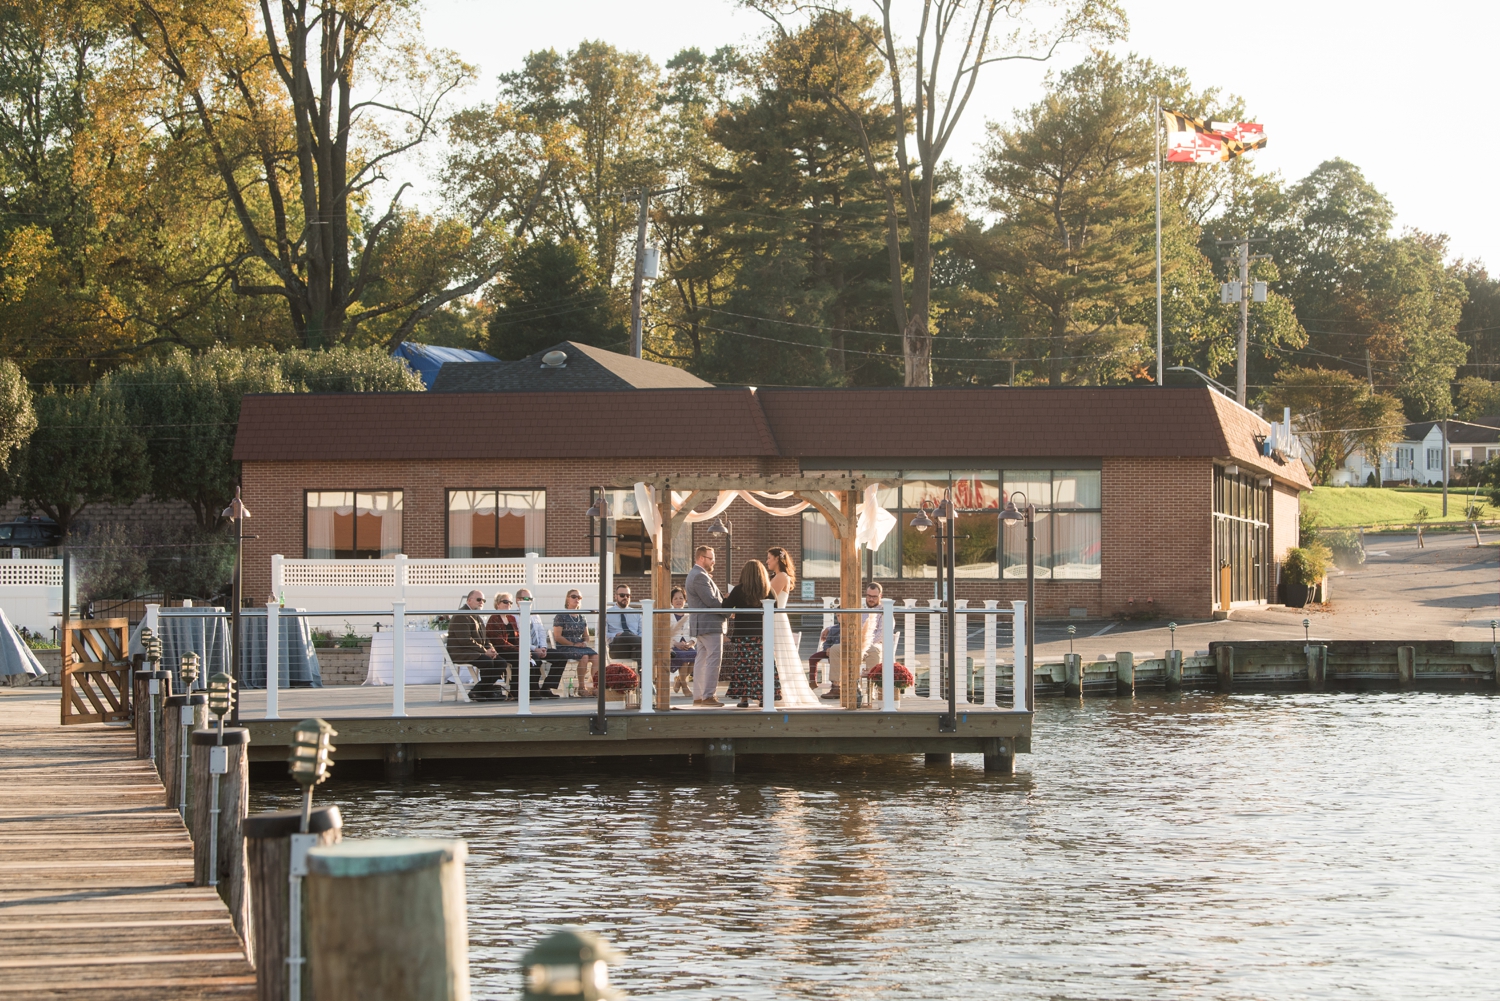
column 668, row 423
column 865, row 424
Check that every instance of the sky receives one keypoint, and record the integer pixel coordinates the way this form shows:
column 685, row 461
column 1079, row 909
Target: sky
column 1390, row 87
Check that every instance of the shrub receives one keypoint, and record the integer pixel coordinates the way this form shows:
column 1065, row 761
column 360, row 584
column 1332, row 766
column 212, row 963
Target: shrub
column 1345, row 546
column 1307, row 527
column 1306, row 565
column 1422, row 514
column 1473, row 512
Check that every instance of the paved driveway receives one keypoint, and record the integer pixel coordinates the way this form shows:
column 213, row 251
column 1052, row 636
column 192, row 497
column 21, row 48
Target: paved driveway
column 1447, row 590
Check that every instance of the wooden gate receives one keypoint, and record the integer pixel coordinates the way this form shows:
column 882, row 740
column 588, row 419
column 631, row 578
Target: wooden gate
column 96, row 671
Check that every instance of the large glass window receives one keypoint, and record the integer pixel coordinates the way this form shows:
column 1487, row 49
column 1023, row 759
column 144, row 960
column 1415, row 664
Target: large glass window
column 1068, row 524
column 634, row 553
column 496, row 524
column 353, row 524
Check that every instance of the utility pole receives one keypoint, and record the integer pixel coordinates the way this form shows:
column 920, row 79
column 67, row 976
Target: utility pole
column 642, row 195
column 1242, row 292
column 1447, row 454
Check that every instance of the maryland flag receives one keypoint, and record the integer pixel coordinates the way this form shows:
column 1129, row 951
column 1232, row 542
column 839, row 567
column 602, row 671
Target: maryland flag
column 1192, row 141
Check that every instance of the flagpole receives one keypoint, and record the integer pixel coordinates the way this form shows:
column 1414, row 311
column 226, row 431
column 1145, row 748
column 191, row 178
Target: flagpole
column 1156, row 129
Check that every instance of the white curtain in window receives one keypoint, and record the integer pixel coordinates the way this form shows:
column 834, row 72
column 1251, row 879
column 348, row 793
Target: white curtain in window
column 322, row 507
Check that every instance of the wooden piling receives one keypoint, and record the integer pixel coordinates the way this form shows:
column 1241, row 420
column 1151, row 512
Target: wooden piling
column 1225, row 657
column 999, row 756
column 231, row 875
column 387, row 920
column 720, row 756
column 1073, row 666
column 1174, row 670
column 1406, row 666
column 268, row 857
column 170, row 746
column 1317, row 666
column 941, row 759
column 400, row 763
column 1125, row 673
column 141, row 708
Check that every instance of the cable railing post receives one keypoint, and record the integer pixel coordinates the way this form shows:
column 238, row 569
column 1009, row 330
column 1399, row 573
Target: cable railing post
column 768, row 653
column 888, row 655
column 1020, row 675
column 648, row 656
column 935, row 650
column 961, row 644
column 398, row 658
column 523, row 659
column 909, row 639
column 273, row 659
column 990, row 626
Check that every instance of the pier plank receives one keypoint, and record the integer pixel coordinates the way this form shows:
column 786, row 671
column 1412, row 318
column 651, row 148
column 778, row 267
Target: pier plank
column 96, row 894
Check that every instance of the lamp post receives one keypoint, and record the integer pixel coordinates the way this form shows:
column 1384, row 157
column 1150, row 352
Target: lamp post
column 237, row 513
column 1172, row 632
column 309, row 762
column 220, row 700
column 600, row 512
column 723, row 526
column 1074, row 629
column 945, row 516
column 569, row 965
column 1026, row 511
column 1306, row 635
column 188, row 671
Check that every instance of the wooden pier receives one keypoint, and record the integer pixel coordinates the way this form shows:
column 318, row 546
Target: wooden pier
column 560, row 729
column 96, row 873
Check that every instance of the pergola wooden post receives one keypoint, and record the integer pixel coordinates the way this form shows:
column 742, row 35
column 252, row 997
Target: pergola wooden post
column 842, row 517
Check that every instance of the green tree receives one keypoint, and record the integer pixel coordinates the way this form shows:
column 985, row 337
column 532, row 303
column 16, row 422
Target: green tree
column 1479, row 323
column 796, row 212
column 550, row 292
column 1475, row 398
column 86, row 448
column 931, row 78
column 1335, row 413
column 17, row 413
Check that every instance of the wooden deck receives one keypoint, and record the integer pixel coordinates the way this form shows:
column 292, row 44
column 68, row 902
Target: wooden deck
column 560, row 728
column 96, row 894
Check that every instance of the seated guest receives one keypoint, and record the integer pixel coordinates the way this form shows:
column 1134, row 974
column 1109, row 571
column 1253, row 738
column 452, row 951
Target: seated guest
column 622, row 629
column 684, row 650
column 570, row 633
column 871, row 640
column 543, row 683
column 467, row 645
column 504, row 635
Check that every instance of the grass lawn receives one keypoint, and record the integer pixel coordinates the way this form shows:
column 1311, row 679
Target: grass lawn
column 1346, row 507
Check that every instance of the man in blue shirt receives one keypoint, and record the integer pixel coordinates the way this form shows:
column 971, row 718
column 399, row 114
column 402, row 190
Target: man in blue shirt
column 539, row 677
column 622, row 628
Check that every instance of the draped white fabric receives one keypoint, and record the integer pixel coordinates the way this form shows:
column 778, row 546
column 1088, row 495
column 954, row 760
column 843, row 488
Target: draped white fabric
column 870, row 531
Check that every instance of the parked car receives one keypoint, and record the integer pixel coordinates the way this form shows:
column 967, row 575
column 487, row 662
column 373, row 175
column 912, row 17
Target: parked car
column 30, row 533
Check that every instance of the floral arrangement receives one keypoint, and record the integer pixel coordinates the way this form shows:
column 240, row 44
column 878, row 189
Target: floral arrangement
column 901, row 674
column 621, row 678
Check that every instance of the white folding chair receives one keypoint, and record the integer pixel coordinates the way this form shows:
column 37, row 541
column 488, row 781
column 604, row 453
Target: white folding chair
column 453, row 671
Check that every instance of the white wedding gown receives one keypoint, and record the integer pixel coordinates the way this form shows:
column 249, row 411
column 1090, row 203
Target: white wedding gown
column 796, row 693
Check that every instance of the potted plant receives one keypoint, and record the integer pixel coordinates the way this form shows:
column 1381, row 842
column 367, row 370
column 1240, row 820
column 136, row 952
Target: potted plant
column 1302, row 570
column 901, row 675
column 624, row 680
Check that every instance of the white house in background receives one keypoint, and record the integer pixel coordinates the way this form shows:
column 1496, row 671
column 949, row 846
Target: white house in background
column 1418, row 456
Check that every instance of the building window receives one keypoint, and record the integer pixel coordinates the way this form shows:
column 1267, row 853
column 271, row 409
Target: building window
column 353, row 524
column 1406, row 457
column 634, row 553
column 496, row 524
column 1068, row 526
column 1434, row 458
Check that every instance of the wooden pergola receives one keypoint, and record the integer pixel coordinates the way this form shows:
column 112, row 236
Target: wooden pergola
column 835, row 496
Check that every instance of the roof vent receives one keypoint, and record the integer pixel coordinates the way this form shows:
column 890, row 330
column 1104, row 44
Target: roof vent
column 555, row 359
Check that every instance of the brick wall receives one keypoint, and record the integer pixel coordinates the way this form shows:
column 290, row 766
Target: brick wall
column 1157, row 543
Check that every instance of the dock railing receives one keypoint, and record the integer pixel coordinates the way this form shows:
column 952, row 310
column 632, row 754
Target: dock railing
column 401, row 620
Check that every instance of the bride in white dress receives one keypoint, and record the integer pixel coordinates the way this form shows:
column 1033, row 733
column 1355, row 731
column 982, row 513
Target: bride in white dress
column 796, row 693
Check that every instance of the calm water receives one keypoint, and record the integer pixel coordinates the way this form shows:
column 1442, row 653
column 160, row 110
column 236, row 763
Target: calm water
column 1287, row 846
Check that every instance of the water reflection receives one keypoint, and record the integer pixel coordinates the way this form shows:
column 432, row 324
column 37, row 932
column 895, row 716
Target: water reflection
column 1184, row 846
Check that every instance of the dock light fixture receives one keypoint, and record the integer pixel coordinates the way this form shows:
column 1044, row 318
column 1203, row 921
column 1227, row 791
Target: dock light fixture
column 602, row 515
column 1172, row 633
column 1019, row 508
column 187, row 670
column 1493, row 624
column 151, row 651
column 310, row 759
column 723, row 526
column 1071, row 631
column 569, row 965
column 220, row 698
column 1306, row 636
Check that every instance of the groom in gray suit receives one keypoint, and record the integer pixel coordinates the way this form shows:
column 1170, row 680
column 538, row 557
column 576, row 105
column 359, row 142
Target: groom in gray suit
column 708, row 628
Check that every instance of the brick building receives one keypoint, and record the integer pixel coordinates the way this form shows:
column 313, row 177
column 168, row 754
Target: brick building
column 1142, row 492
